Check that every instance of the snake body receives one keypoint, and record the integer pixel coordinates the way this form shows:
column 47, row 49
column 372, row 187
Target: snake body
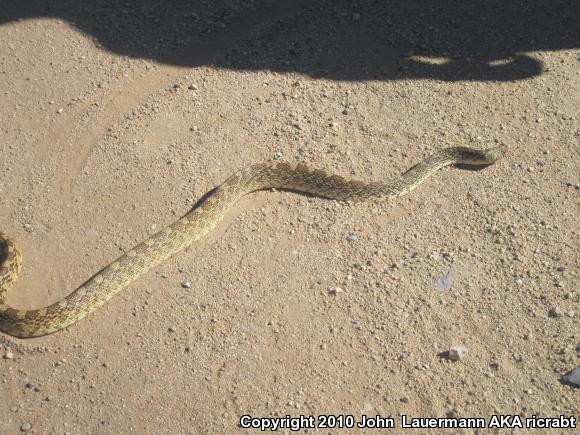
column 202, row 219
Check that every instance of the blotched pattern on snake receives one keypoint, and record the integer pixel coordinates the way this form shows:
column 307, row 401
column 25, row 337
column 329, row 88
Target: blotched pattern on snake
column 201, row 220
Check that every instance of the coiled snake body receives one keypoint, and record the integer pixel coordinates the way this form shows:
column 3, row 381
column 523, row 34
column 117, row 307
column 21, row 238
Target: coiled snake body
column 201, row 220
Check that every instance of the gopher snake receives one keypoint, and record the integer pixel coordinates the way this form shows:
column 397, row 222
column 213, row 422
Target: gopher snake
column 201, row 220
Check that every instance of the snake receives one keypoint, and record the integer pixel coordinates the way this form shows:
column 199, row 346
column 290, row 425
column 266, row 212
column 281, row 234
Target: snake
column 200, row 220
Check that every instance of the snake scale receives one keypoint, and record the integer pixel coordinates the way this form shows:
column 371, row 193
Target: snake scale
column 201, row 220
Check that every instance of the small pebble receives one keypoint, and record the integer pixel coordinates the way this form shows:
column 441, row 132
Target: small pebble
column 351, row 237
column 335, row 290
column 186, row 284
column 572, row 377
column 25, row 427
column 59, row 111
column 8, row 355
column 555, row 312
column 457, row 353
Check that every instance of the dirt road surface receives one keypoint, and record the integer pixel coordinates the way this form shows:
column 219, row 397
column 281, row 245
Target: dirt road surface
column 117, row 116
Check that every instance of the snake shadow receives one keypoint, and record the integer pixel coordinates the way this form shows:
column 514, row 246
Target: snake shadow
column 483, row 40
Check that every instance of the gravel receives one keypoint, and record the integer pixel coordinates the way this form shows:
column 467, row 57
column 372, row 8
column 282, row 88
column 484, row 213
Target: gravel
column 335, row 290
column 457, row 353
column 415, row 89
column 572, row 377
column 8, row 355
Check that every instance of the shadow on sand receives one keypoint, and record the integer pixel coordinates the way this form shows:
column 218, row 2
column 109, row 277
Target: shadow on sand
column 342, row 40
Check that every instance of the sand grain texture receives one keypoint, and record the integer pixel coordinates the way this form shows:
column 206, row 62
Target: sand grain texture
column 114, row 121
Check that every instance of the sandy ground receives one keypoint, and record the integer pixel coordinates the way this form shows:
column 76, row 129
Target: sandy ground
column 117, row 117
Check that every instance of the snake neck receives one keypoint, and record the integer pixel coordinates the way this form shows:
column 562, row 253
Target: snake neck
column 415, row 175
